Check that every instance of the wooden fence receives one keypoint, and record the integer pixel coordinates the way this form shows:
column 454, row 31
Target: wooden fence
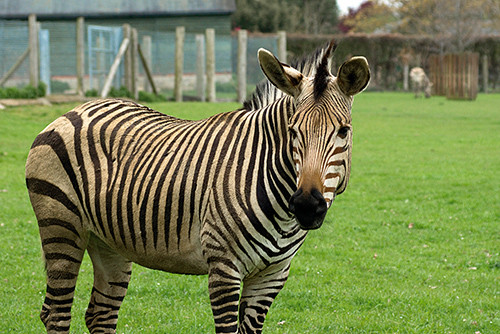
column 461, row 73
column 436, row 75
column 455, row 75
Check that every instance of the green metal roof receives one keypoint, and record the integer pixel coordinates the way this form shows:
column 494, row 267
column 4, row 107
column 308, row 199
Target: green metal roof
column 66, row 9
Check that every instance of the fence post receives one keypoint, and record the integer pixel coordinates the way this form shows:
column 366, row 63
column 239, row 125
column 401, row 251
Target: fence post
column 146, row 52
column 179, row 62
column 44, row 58
column 406, row 70
column 282, row 46
column 200, row 66
column 127, row 59
column 135, row 64
column 485, row 74
column 405, row 57
column 33, row 46
column 210, row 40
column 80, row 55
column 242, row 65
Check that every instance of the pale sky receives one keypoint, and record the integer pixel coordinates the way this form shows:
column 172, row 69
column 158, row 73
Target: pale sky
column 345, row 4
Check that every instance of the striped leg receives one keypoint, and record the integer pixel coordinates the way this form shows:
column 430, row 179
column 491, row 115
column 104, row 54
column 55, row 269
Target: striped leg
column 224, row 290
column 257, row 296
column 111, row 277
column 63, row 256
column 63, row 247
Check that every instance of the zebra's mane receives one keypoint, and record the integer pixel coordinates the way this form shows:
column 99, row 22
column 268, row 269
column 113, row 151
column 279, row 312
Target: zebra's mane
column 266, row 93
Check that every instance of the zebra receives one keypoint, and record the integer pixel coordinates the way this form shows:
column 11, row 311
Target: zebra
column 420, row 82
column 232, row 196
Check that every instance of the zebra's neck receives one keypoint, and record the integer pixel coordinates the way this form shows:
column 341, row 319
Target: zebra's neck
column 277, row 169
column 265, row 95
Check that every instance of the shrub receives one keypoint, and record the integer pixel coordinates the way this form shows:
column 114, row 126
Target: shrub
column 92, row 93
column 113, row 92
column 41, row 89
column 150, row 97
column 26, row 92
column 120, row 92
column 59, row 86
column 226, row 87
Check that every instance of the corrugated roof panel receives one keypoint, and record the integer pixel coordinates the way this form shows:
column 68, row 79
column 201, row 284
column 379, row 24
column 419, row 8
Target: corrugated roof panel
column 112, row 8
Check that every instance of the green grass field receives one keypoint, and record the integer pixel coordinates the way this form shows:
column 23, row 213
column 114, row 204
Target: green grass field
column 412, row 246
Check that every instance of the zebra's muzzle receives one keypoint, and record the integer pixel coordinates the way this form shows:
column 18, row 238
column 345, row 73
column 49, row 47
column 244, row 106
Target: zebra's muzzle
column 309, row 208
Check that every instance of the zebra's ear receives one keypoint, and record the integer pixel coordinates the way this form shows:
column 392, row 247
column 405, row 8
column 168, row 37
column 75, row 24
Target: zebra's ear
column 283, row 76
column 353, row 75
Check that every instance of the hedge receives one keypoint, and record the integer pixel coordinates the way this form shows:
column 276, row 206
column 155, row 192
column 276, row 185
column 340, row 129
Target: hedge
column 26, row 92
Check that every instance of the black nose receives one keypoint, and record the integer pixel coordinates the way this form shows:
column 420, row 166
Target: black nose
column 309, row 208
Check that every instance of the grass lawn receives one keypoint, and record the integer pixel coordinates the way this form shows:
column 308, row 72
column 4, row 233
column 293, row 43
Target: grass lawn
column 412, row 246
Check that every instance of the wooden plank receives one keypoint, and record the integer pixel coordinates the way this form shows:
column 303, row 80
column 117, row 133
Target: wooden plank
column 485, row 73
column 179, row 62
column 145, row 65
column 210, row 42
column 33, row 47
column 200, row 67
column 134, row 42
column 15, row 66
column 114, row 67
column 475, row 75
column 80, row 55
column 242, row 65
column 432, row 73
column 144, row 50
column 127, row 61
column 282, row 46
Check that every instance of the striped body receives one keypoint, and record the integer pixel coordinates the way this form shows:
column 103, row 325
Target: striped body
column 153, row 181
column 222, row 196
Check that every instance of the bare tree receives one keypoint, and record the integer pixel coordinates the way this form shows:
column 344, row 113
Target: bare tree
column 320, row 16
column 456, row 23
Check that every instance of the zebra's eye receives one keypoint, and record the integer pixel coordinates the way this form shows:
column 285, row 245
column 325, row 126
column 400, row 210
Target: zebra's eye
column 292, row 131
column 343, row 131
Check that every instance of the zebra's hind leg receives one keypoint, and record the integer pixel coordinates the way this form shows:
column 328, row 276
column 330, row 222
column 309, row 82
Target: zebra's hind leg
column 63, row 254
column 111, row 277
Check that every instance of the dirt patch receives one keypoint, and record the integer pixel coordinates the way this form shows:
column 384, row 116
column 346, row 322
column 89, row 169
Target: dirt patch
column 48, row 100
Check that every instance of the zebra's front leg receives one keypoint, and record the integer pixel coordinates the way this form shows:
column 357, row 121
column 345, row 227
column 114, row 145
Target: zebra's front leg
column 224, row 289
column 257, row 296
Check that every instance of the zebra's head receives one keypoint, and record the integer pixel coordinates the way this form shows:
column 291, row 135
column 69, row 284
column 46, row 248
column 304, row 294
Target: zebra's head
column 320, row 127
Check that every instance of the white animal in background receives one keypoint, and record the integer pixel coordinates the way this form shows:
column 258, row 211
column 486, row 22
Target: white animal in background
column 420, row 82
